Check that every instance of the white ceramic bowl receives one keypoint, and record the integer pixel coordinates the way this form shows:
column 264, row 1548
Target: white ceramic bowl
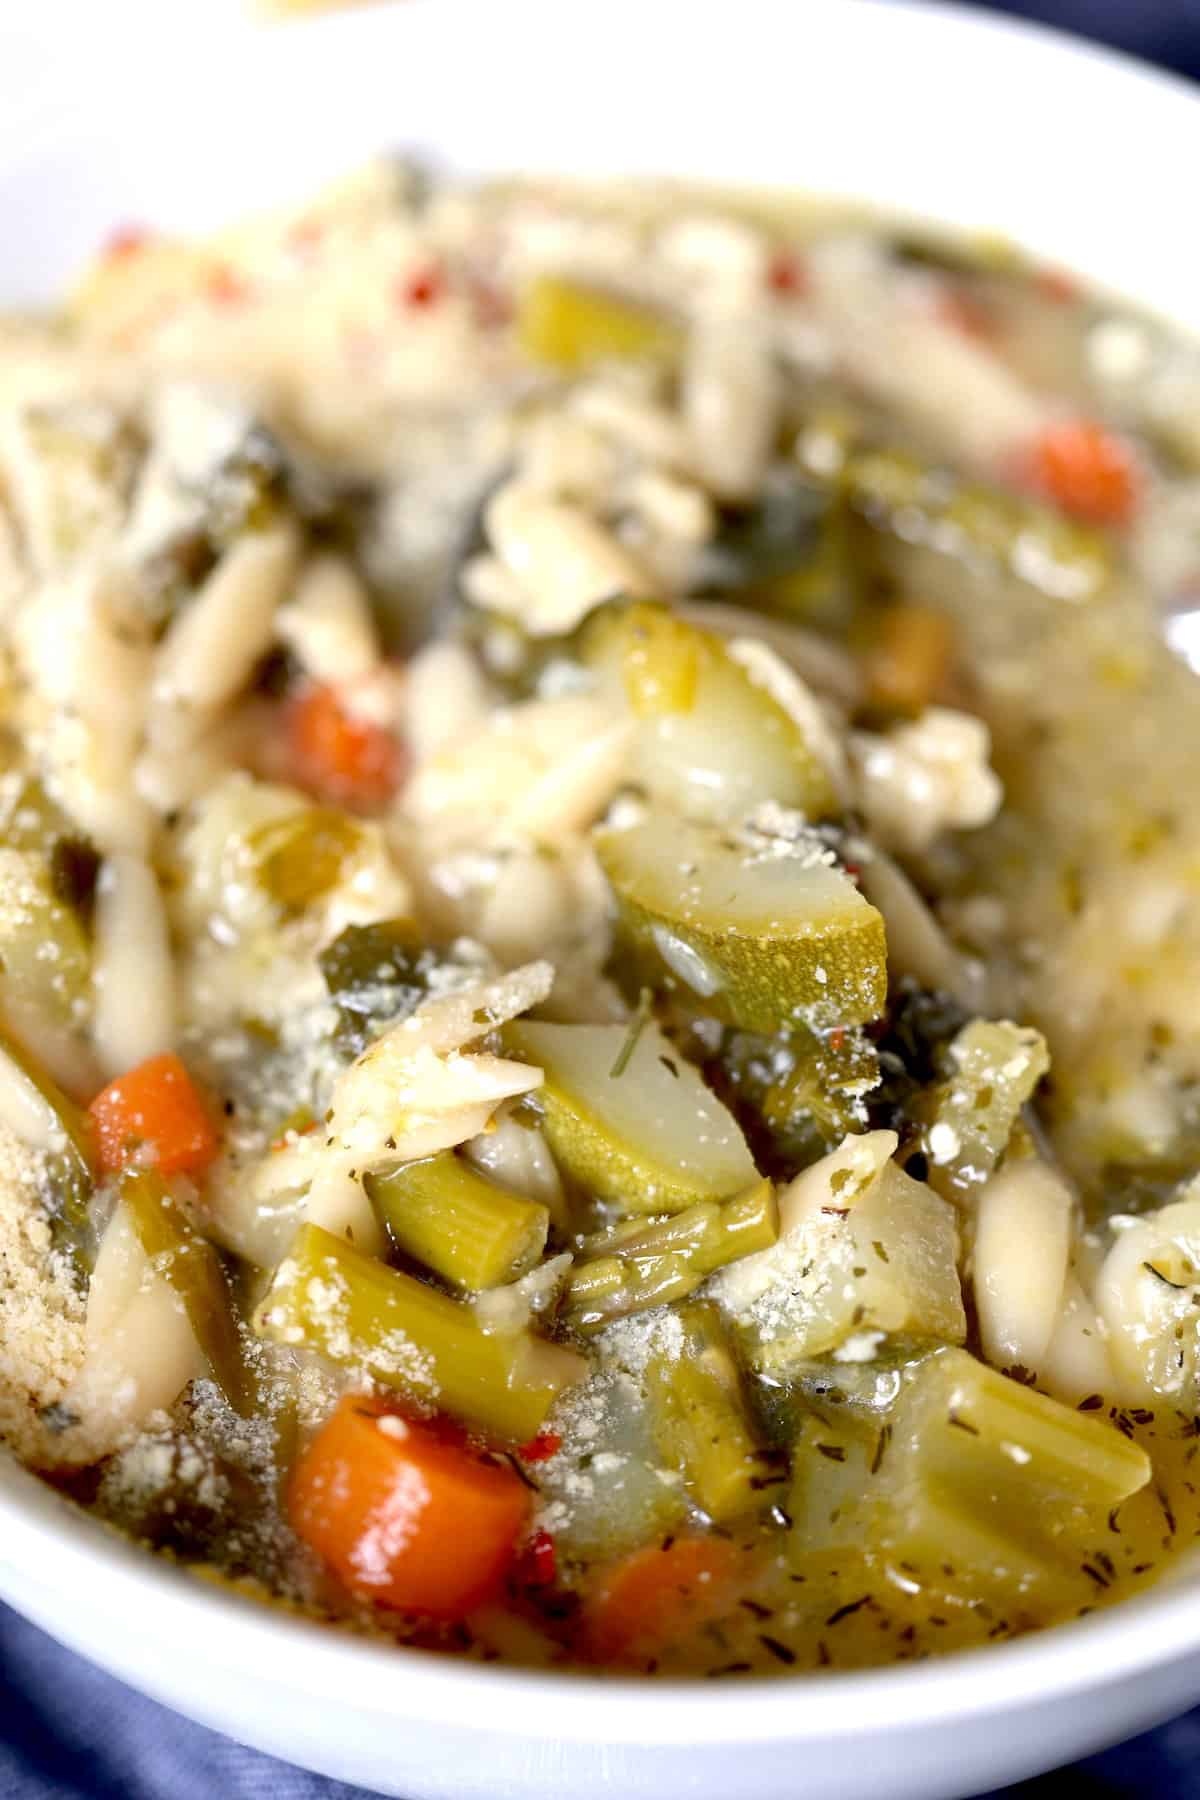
column 130, row 111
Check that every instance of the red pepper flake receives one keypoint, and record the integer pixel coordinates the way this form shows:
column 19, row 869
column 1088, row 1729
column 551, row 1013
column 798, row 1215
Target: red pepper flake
column 127, row 241
column 837, row 1038
column 1056, row 285
column 537, row 1565
column 226, row 287
column 786, row 273
column 423, row 287
column 541, row 1448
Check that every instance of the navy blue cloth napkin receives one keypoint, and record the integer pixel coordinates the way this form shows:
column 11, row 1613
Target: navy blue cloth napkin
column 68, row 1732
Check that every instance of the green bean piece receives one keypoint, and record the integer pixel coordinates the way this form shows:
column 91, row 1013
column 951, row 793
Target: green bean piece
column 612, row 1287
column 328, row 1296
column 701, row 1420
column 639, row 1266
column 189, row 1262
column 469, row 1230
column 40, row 1114
column 641, row 1129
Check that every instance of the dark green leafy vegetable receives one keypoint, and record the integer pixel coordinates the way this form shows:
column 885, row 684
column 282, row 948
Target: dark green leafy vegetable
column 788, row 553
column 795, row 1096
column 377, row 974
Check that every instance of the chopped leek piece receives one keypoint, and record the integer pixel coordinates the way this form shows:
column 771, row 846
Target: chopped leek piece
column 650, row 1140
column 443, row 1213
column 713, row 738
column 188, row 1261
column 329, row 1297
column 569, row 325
column 764, row 929
column 643, row 1265
column 994, row 1069
column 701, row 1421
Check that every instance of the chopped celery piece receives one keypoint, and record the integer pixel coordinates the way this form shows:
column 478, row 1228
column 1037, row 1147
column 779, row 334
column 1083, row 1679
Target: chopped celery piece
column 443, row 1213
column 700, row 1417
column 994, row 1068
column 977, row 1484
column 35, row 1109
column 301, row 856
column 375, row 973
column 764, row 929
column 45, row 958
column 638, row 1266
column 924, row 503
column 176, row 1250
column 714, row 736
column 649, row 1140
column 570, row 325
column 863, row 1249
column 329, row 1297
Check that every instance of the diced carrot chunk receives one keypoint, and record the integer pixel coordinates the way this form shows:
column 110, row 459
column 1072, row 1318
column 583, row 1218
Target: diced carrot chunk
column 154, row 1114
column 403, row 1517
column 338, row 757
column 1086, row 470
column 658, row 1595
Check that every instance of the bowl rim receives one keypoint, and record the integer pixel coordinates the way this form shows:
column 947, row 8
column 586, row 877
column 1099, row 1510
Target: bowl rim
column 41, row 1531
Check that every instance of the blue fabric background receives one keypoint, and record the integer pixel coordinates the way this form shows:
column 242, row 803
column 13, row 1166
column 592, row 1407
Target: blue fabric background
column 67, row 1732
